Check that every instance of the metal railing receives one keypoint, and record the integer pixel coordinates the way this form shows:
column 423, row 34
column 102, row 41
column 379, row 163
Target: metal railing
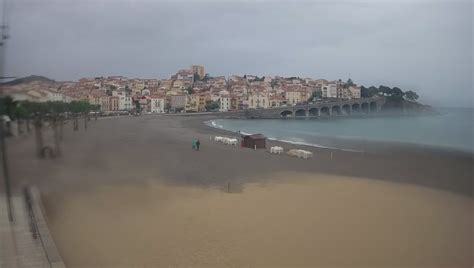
column 33, row 223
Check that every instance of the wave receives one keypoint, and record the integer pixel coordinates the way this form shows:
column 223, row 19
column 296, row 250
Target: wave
column 316, row 145
column 214, row 124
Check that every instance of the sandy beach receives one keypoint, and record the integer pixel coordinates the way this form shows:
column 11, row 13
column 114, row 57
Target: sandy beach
column 130, row 192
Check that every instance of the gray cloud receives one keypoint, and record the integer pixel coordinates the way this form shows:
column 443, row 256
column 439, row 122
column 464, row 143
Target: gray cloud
column 420, row 45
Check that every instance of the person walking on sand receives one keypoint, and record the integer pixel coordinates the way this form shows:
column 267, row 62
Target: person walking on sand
column 198, row 143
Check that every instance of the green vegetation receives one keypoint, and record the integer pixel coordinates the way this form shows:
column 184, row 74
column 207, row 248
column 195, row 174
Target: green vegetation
column 349, row 83
column 317, row 94
column 204, row 79
column 411, row 95
column 138, row 107
column 189, row 90
column 393, row 94
column 28, row 79
column 24, row 109
column 212, row 105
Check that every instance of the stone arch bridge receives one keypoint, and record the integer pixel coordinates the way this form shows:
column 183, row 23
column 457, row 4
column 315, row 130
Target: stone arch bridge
column 321, row 109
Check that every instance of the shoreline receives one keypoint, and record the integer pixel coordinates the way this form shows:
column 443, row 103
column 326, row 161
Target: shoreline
column 369, row 144
column 421, row 161
column 355, row 144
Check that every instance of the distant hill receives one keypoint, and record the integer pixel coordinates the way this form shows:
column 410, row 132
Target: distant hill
column 28, row 79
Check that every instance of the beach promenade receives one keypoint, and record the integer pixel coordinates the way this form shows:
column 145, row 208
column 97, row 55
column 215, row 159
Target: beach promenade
column 26, row 240
column 18, row 247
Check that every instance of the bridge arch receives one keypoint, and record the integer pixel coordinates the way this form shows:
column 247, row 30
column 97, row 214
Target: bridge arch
column 356, row 108
column 336, row 110
column 286, row 113
column 313, row 112
column 373, row 106
column 325, row 111
column 346, row 109
column 364, row 107
column 300, row 113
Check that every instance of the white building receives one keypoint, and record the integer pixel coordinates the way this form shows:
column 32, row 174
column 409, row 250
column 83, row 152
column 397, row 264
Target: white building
column 329, row 91
column 157, row 104
column 224, row 103
column 54, row 96
column 293, row 97
column 258, row 100
column 224, row 100
column 354, row 92
column 124, row 102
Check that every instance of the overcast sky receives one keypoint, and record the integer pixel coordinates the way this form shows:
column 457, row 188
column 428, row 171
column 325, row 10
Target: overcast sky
column 421, row 45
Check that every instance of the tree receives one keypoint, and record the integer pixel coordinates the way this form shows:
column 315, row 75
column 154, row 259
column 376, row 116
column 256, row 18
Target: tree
column 368, row 92
column 206, row 78
column 7, row 106
column 20, row 111
column 396, row 93
column 385, row 90
column 189, row 90
column 349, row 83
column 79, row 107
column 212, row 105
column 411, row 95
column 137, row 106
column 273, row 83
column 317, row 94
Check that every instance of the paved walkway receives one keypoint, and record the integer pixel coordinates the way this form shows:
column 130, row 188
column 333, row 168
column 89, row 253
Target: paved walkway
column 18, row 248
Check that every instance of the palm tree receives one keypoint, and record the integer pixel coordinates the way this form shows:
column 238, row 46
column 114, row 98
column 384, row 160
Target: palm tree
column 7, row 106
column 20, row 114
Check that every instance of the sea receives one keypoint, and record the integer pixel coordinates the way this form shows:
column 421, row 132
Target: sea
column 449, row 128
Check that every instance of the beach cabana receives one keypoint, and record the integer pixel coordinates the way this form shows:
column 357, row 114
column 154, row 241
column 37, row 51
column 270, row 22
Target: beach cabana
column 254, row 141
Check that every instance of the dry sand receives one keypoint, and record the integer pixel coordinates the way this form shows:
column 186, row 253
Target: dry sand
column 297, row 220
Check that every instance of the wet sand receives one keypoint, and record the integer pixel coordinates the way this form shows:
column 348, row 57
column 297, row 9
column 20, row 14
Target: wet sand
column 130, row 191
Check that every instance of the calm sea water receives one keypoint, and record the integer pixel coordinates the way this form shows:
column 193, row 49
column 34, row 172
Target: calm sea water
column 451, row 128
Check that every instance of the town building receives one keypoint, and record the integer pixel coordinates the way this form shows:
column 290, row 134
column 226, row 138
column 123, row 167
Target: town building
column 354, row 92
column 224, row 103
column 199, row 70
column 177, row 102
column 157, row 104
column 296, row 96
column 329, row 91
column 125, row 102
column 104, row 103
column 258, row 100
column 113, row 103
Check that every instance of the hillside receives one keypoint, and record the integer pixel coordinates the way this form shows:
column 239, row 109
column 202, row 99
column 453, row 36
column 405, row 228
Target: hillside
column 28, row 79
